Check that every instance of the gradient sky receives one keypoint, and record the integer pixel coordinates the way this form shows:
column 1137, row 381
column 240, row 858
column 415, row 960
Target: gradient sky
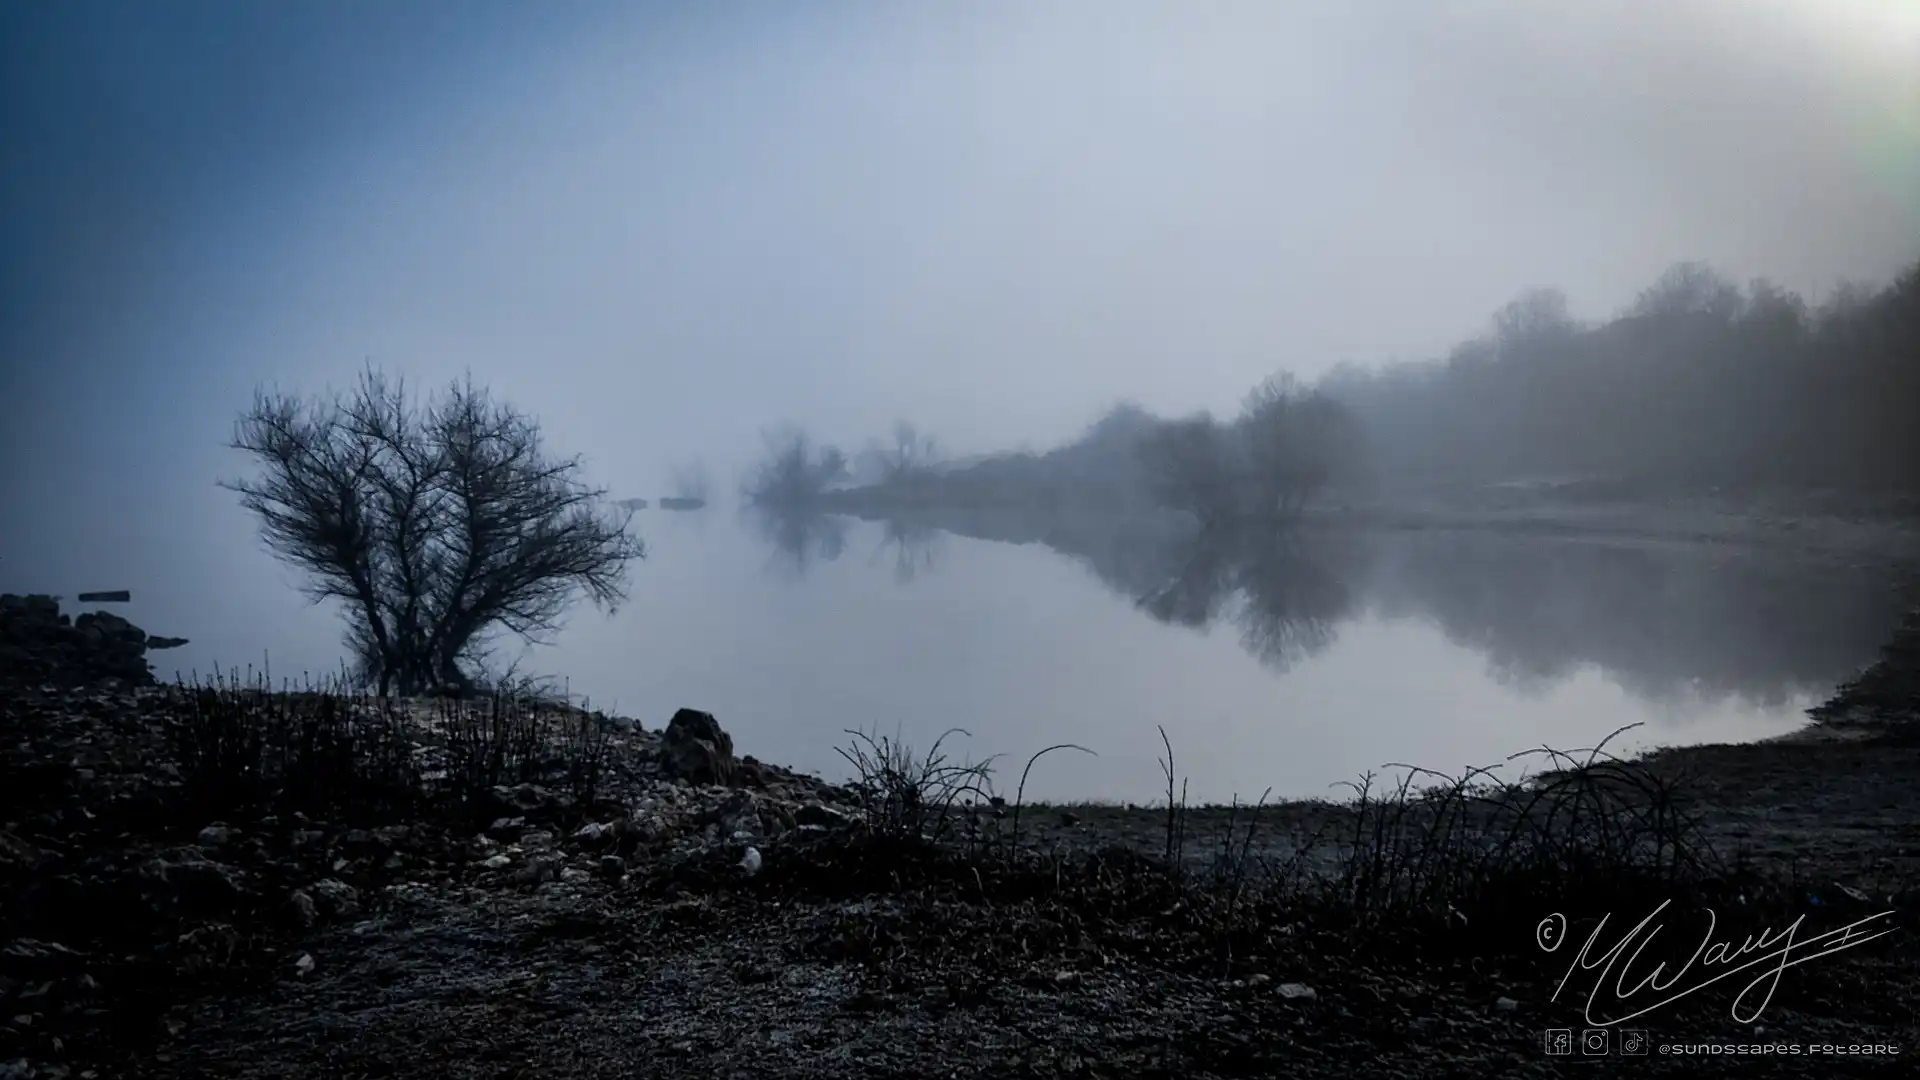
column 663, row 227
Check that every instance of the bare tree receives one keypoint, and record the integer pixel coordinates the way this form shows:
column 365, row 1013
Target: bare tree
column 688, row 479
column 1534, row 317
column 1297, row 441
column 1690, row 288
column 1190, row 466
column 794, row 471
column 435, row 523
column 911, row 452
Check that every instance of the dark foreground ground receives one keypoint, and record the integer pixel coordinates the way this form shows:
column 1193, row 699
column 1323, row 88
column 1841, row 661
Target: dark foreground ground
column 184, row 900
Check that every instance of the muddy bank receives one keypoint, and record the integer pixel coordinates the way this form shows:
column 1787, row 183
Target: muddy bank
column 478, row 910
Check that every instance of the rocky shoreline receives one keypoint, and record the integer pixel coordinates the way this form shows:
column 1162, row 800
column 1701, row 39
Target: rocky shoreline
column 39, row 644
column 224, row 882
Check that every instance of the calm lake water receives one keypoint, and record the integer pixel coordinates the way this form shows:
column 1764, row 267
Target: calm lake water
column 1291, row 663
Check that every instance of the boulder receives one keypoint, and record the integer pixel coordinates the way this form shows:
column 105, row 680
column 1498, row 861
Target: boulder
column 694, row 748
column 105, row 626
column 39, row 644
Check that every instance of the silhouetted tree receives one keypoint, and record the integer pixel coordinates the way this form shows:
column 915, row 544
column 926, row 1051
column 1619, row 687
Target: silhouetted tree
column 1534, row 317
column 910, row 453
column 434, row 523
column 1689, row 288
column 1191, row 466
column 794, row 472
column 1296, row 443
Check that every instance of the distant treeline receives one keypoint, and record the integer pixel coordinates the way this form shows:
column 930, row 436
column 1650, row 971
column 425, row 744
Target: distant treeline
column 1103, row 470
column 1699, row 382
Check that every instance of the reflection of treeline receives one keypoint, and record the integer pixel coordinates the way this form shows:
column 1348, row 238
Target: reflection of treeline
column 1284, row 590
column 1667, row 623
column 801, row 537
column 1699, row 381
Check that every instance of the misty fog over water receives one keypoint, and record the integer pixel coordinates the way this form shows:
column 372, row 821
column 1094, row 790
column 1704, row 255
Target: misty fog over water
column 1343, row 654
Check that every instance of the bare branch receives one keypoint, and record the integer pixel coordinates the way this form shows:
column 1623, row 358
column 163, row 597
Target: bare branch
column 436, row 523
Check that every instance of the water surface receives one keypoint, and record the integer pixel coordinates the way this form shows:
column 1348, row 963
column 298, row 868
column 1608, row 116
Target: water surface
column 1290, row 662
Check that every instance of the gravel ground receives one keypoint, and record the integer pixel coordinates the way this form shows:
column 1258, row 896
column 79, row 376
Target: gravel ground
column 672, row 929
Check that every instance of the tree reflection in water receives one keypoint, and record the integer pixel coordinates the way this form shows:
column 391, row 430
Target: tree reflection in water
column 1668, row 623
column 914, row 547
column 1268, row 583
column 800, row 538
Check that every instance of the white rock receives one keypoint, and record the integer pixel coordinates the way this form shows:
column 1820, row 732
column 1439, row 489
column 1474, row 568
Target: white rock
column 1505, row 1004
column 498, row 862
column 304, row 965
column 750, row 862
column 1299, row 991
